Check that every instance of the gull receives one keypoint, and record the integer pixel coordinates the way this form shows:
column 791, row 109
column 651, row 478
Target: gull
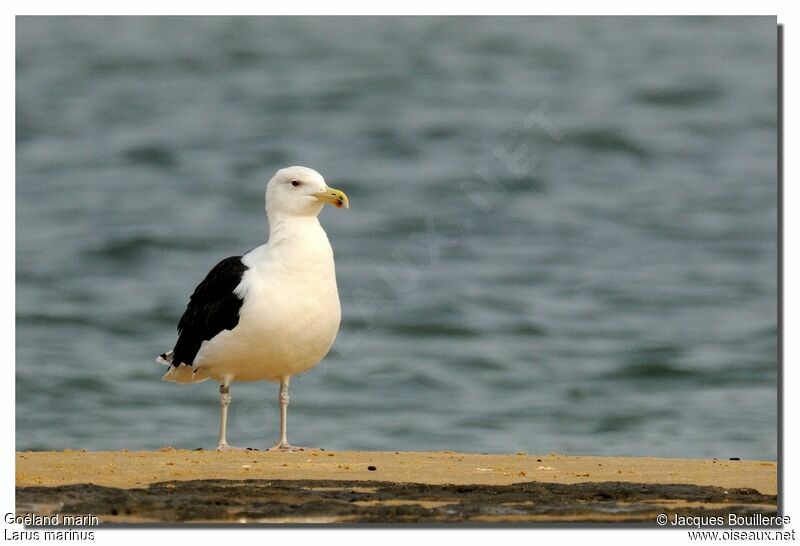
column 271, row 313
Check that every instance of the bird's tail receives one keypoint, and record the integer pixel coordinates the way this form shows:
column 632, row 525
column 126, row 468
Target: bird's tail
column 180, row 373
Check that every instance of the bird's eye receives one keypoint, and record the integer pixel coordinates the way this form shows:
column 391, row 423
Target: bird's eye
column 295, row 183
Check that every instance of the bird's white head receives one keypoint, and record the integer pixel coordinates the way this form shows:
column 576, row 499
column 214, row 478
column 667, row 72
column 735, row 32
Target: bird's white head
column 300, row 191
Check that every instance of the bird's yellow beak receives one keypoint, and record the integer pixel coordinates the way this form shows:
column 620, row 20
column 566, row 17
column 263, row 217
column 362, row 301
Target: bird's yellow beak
column 334, row 197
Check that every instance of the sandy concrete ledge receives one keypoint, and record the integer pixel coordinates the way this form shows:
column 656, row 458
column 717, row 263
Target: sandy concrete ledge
column 326, row 486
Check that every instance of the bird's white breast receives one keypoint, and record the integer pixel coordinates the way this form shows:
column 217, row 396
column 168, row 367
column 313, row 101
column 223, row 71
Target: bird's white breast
column 290, row 313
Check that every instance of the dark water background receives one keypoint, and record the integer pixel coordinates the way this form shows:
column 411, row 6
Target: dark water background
column 562, row 234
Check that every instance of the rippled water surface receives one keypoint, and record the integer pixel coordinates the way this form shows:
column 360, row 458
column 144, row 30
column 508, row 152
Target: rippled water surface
column 562, row 234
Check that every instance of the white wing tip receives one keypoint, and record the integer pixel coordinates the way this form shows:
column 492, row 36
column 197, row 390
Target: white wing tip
column 165, row 358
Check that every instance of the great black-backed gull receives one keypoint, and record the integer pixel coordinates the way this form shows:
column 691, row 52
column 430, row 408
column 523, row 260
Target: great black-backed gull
column 273, row 312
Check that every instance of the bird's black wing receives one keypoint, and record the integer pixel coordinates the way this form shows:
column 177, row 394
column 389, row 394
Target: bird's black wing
column 213, row 307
